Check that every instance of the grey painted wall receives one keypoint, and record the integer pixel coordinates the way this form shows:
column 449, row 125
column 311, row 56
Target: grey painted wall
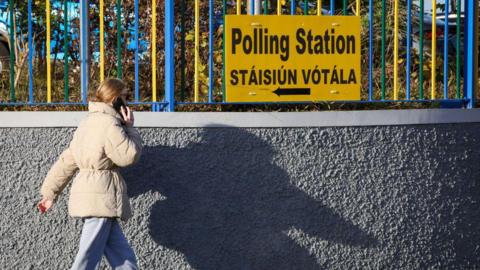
column 390, row 197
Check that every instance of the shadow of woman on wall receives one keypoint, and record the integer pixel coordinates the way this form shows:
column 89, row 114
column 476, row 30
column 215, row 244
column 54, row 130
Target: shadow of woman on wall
column 228, row 206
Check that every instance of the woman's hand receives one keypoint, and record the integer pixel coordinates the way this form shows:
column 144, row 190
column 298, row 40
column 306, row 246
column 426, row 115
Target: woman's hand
column 127, row 116
column 44, row 205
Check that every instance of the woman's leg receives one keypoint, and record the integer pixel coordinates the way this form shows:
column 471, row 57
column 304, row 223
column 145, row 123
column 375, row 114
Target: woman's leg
column 94, row 237
column 118, row 252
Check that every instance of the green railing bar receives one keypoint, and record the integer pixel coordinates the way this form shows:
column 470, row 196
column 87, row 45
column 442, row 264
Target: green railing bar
column 382, row 56
column 265, row 7
column 458, row 51
column 224, row 9
column 344, row 9
column 182, row 50
column 305, row 7
column 420, row 79
column 12, row 54
column 65, row 49
column 119, row 39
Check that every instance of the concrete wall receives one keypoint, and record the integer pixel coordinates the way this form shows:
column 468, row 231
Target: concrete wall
column 321, row 196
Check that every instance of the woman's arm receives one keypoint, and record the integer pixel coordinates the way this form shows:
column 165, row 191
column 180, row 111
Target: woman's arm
column 123, row 145
column 59, row 176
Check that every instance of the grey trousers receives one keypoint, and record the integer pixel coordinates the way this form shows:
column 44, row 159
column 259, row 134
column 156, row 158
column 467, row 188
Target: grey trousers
column 103, row 236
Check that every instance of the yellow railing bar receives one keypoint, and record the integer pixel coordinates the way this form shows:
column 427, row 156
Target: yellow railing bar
column 395, row 53
column 154, row 50
column 49, row 68
column 197, row 39
column 434, row 46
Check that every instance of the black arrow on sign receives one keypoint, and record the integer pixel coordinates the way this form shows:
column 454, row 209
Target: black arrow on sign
column 292, row 91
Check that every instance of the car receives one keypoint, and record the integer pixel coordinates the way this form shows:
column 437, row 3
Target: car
column 440, row 34
column 451, row 21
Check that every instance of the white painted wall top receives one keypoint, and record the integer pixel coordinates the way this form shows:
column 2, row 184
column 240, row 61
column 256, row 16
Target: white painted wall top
column 255, row 119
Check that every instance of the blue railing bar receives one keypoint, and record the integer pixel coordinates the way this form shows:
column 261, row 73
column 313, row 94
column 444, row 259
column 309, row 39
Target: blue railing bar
column 41, row 103
column 246, row 103
column 169, row 55
column 370, row 50
column 70, row 103
column 30, row 53
column 84, row 49
column 445, row 53
column 210, row 53
column 137, row 95
column 329, row 102
column 332, row 7
column 147, row 103
column 470, row 52
column 252, row 7
column 292, row 7
column 409, row 34
column 158, row 104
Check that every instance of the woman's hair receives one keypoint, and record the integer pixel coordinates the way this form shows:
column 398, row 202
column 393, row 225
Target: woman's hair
column 108, row 90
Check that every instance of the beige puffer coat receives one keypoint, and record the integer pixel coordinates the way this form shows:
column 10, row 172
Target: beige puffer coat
column 100, row 145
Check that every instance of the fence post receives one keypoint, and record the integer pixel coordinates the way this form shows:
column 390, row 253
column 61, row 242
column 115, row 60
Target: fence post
column 470, row 52
column 12, row 50
column 169, row 56
column 84, row 57
column 254, row 7
column 30, row 54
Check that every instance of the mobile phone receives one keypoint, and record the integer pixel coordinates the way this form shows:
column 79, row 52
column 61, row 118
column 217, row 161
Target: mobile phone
column 118, row 104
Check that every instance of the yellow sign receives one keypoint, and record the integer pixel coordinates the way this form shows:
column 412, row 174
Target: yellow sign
column 292, row 58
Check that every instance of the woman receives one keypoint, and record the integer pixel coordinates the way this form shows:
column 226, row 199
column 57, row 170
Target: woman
column 104, row 141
